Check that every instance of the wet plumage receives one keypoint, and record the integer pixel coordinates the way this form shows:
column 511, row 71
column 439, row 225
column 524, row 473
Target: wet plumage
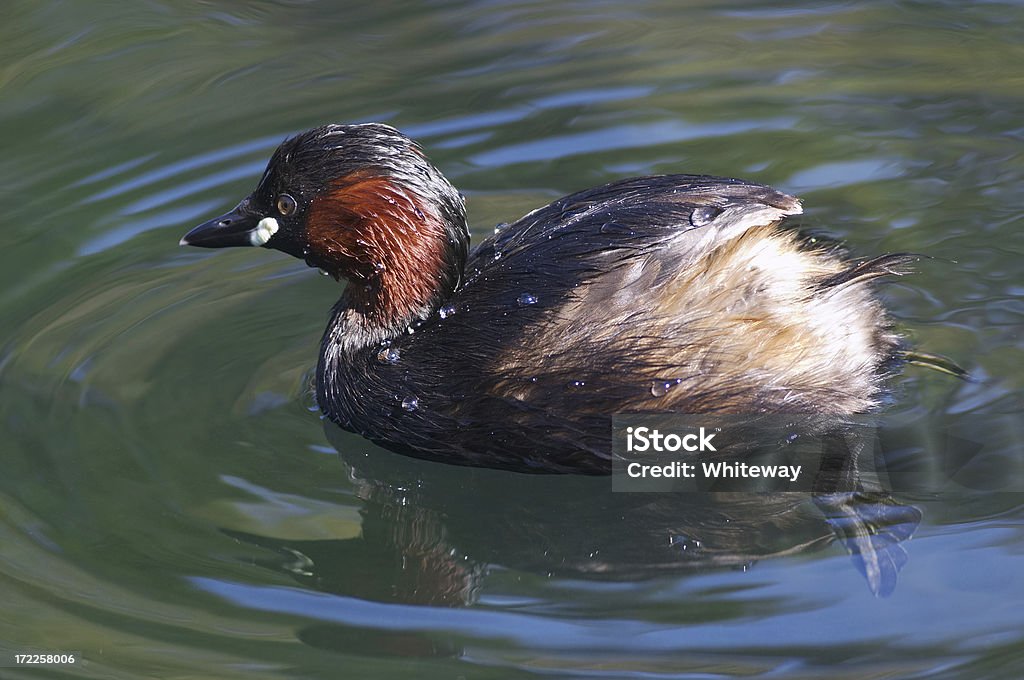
column 668, row 293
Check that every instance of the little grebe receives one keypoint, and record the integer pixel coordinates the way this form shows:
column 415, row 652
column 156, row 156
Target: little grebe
column 671, row 293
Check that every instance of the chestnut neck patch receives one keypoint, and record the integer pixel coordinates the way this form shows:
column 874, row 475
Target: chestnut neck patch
column 390, row 243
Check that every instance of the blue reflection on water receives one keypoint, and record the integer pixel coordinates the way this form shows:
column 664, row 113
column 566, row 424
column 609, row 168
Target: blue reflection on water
column 630, row 136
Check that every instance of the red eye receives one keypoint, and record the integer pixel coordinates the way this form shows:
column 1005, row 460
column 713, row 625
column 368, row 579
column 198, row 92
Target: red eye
column 286, row 205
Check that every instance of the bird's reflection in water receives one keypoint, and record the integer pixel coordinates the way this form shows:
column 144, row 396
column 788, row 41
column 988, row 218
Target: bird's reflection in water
column 431, row 534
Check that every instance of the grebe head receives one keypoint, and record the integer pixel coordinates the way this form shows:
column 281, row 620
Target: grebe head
column 360, row 202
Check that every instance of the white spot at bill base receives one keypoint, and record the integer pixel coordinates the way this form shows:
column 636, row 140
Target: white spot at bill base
column 263, row 232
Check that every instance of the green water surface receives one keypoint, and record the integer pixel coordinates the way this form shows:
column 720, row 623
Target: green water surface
column 171, row 504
